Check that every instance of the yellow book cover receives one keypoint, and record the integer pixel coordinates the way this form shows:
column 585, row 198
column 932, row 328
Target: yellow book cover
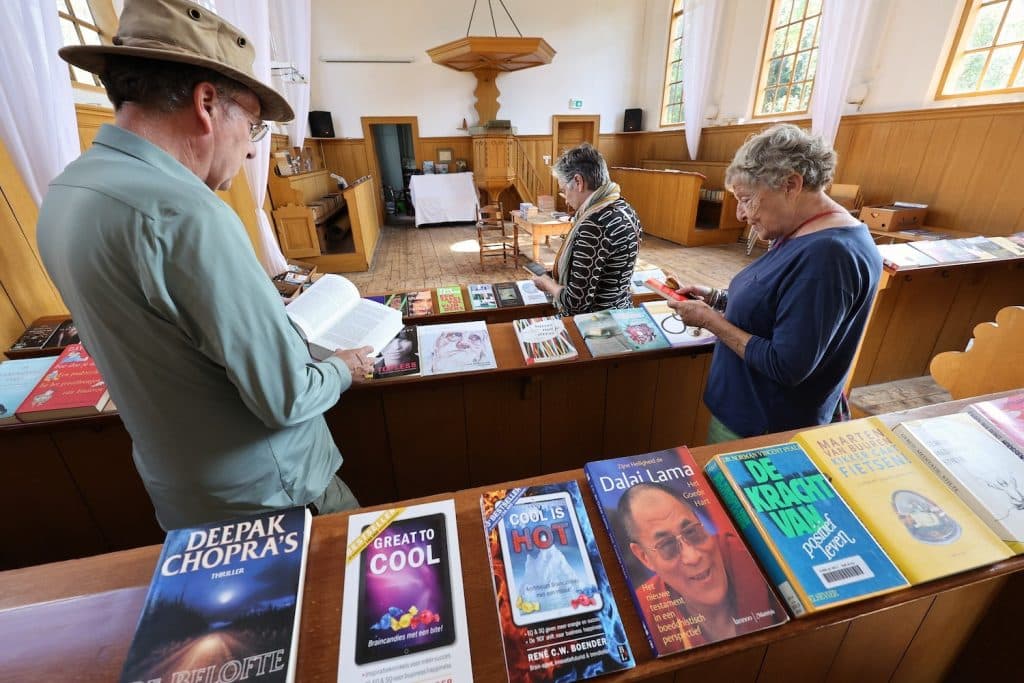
column 925, row 528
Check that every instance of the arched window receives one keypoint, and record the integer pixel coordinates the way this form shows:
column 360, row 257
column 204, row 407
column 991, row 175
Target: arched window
column 790, row 58
column 987, row 53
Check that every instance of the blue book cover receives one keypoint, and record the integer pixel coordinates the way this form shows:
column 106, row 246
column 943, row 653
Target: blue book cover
column 224, row 602
column 558, row 618
column 17, row 379
column 814, row 548
column 691, row 577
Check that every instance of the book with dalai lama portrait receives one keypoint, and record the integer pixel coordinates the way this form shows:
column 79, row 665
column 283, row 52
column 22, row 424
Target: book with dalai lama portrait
column 690, row 575
column 224, row 602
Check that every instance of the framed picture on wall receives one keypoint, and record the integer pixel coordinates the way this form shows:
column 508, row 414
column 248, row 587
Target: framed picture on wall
column 460, row 165
column 442, row 168
column 445, row 155
column 428, row 166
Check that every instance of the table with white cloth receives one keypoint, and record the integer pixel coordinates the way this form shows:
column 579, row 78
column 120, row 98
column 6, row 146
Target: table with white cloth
column 444, row 197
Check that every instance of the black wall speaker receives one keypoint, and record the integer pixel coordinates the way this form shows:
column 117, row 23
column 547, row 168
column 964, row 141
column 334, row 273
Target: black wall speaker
column 632, row 120
column 320, row 124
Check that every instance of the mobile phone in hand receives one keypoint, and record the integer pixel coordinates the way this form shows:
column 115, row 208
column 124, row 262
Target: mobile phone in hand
column 535, row 268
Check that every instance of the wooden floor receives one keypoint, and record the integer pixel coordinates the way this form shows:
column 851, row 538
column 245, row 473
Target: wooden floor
column 410, row 258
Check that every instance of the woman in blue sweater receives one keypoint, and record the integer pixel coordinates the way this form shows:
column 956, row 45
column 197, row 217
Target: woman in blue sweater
column 789, row 324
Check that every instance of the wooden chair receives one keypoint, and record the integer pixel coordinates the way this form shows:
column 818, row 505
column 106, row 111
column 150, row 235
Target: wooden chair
column 491, row 234
column 848, row 196
column 994, row 362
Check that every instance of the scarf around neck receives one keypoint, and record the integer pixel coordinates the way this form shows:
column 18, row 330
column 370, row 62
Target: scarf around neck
column 599, row 198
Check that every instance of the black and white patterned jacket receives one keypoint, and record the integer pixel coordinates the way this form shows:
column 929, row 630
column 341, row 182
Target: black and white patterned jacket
column 604, row 251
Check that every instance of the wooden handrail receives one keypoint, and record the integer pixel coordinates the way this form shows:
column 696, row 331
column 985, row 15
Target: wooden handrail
column 527, row 181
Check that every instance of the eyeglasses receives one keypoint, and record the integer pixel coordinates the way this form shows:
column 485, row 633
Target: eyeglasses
column 257, row 131
column 692, row 535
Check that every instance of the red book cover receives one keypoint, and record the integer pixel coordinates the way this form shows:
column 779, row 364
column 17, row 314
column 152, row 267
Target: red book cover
column 1004, row 418
column 71, row 388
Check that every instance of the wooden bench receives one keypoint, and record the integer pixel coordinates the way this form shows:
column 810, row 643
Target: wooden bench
column 301, row 203
column 716, row 218
column 665, row 201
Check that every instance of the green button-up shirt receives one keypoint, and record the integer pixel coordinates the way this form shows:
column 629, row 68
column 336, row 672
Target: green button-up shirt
column 216, row 387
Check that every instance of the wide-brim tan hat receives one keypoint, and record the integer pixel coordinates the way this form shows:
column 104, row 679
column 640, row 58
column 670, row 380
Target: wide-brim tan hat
column 184, row 32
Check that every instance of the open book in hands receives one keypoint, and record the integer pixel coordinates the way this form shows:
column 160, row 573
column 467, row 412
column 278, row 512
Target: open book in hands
column 331, row 315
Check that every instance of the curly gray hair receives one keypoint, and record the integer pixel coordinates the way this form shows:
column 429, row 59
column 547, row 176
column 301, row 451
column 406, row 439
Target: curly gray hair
column 584, row 160
column 770, row 157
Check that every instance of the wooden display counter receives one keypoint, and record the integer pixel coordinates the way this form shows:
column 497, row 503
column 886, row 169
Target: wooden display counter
column 666, row 203
column 401, row 438
column 76, row 619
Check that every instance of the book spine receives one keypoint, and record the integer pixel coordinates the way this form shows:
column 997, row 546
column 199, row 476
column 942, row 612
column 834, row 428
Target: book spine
column 622, row 564
column 753, row 534
column 995, row 431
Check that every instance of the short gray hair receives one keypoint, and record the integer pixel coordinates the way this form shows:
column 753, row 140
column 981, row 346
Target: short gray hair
column 769, row 157
column 584, row 160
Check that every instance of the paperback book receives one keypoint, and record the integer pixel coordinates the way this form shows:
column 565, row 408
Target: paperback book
column 556, row 611
column 688, row 571
column 399, row 302
column 17, row 379
column 481, row 297
column 71, row 387
column 672, row 326
column 530, row 294
column 46, row 336
column 331, row 315
column 455, row 347
column 1009, row 245
column 449, row 299
column 543, row 340
column 976, row 466
column 974, row 249
column 813, row 548
column 943, row 251
column 1004, row 418
column 620, row 330
column 926, row 530
column 903, row 256
column 638, row 280
column 403, row 613
column 399, row 357
column 419, row 303
column 508, row 294
column 224, row 601
column 989, row 246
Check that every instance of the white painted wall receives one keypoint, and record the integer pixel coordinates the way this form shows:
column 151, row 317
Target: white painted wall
column 598, row 44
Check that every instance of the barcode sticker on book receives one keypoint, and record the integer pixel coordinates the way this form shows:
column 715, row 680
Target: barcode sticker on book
column 842, row 572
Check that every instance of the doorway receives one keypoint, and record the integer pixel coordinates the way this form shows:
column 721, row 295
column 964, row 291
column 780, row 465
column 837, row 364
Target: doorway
column 568, row 132
column 392, row 154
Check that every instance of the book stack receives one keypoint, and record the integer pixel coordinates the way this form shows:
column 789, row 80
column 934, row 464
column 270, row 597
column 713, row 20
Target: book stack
column 46, row 336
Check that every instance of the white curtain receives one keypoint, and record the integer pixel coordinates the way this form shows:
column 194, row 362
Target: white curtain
column 290, row 22
column 702, row 21
column 253, row 18
column 37, row 112
column 841, row 34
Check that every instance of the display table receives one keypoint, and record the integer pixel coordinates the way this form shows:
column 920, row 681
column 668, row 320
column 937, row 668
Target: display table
column 913, row 634
column 444, row 197
column 540, row 227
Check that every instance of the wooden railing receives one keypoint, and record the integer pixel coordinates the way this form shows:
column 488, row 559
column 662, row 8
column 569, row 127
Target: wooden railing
column 526, row 181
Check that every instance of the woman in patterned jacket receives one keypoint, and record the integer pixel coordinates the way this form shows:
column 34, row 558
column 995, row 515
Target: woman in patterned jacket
column 593, row 266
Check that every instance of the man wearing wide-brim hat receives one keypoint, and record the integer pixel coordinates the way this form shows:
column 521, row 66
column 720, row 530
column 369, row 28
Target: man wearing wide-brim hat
column 217, row 389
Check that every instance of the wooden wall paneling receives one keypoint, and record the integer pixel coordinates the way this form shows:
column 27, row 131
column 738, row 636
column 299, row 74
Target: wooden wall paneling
column 99, row 459
column 738, row 667
column 503, row 425
column 806, row 657
column 629, row 407
column 346, row 157
column 42, row 515
column 461, row 146
column 923, row 301
column 874, row 332
column 1006, row 212
column 361, row 433
column 90, row 118
column 1003, row 286
column 981, row 190
column 992, row 652
column 933, row 167
column 677, row 399
column 916, row 136
column 951, row 619
column 572, row 418
column 954, row 194
column 875, row 643
column 426, row 428
column 618, row 150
